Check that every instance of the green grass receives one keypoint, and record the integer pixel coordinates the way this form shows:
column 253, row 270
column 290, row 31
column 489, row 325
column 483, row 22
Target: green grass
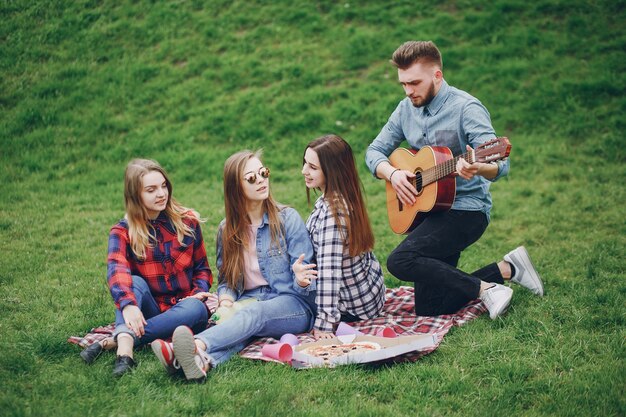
column 87, row 85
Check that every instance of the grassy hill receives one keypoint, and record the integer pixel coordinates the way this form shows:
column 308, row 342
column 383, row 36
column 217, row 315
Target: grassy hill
column 87, row 85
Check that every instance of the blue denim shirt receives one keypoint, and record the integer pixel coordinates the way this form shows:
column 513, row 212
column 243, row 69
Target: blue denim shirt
column 275, row 263
column 452, row 119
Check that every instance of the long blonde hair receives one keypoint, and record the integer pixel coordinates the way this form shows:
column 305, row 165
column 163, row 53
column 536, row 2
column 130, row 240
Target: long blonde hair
column 137, row 215
column 235, row 232
column 343, row 191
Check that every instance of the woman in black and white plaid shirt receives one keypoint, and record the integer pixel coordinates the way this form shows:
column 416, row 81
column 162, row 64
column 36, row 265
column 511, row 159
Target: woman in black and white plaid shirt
column 350, row 283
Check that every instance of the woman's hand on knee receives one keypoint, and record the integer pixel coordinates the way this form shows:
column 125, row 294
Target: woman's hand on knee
column 200, row 296
column 133, row 317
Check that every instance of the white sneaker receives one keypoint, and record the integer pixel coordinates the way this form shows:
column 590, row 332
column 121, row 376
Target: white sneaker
column 497, row 299
column 525, row 273
column 195, row 364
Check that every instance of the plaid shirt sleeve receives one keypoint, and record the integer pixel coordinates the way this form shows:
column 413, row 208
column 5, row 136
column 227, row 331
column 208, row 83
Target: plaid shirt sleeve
column 202, row 276
column 118, row 268
column 329, row 258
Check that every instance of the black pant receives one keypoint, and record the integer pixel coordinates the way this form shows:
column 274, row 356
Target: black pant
column 429, row 255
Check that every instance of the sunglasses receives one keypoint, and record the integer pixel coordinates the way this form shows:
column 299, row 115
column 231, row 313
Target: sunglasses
column 251, row 177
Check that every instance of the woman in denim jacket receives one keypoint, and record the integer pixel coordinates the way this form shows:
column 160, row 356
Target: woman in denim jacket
column 257, row 244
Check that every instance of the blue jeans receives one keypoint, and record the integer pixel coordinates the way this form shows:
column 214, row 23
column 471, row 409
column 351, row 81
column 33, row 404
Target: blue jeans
column 160, row 325
column 272, row 316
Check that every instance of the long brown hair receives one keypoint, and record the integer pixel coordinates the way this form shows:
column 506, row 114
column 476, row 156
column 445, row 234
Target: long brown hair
column 343, row 191
column 235, row 232
column 137, row 215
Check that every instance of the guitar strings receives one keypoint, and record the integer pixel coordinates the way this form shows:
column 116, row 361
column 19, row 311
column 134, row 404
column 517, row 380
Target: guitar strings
column 447, row 167
column 439, row 171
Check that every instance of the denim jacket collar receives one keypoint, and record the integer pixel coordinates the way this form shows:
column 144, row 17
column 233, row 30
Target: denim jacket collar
column 265, row 221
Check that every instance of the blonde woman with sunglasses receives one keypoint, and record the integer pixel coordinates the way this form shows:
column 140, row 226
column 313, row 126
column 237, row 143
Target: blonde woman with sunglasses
column 257, row 244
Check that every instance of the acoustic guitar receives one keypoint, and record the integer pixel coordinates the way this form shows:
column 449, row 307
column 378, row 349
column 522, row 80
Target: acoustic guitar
column 435, row 179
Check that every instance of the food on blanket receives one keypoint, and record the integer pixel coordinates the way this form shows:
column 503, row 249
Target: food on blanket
column 326, row 352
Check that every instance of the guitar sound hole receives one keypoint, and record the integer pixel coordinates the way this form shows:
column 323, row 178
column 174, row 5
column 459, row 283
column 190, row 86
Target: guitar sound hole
column 417, row 182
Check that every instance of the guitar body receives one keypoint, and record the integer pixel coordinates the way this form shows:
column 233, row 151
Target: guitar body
column 437, row 196
column 435, row 179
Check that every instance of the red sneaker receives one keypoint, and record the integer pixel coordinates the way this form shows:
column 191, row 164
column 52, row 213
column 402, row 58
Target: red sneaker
column 164, row 352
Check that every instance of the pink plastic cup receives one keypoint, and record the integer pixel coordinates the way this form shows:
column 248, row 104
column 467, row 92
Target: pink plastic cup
column 345, row 329
column 290, row 339
column 279, row 351
column 386, row 332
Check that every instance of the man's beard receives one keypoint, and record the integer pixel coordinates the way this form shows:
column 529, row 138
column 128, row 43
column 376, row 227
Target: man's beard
column 430, row 95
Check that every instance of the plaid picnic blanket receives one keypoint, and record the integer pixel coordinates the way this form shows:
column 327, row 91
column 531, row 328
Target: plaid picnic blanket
column 398, row 314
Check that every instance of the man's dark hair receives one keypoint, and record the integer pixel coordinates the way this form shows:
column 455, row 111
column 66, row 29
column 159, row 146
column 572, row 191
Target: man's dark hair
column 416, row 51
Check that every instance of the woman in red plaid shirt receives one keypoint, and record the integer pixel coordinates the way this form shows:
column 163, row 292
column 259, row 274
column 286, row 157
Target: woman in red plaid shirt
column 158, row 272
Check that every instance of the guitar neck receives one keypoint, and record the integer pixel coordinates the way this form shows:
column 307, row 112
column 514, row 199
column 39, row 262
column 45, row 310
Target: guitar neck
column 442, row 170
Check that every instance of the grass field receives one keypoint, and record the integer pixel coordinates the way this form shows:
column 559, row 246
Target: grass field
column 87, row 85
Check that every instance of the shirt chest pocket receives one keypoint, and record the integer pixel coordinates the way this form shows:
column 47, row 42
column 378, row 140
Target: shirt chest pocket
column 449, row 139
column 277, row 261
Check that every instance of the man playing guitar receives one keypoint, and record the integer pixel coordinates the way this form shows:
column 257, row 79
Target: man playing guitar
column 437, row 114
